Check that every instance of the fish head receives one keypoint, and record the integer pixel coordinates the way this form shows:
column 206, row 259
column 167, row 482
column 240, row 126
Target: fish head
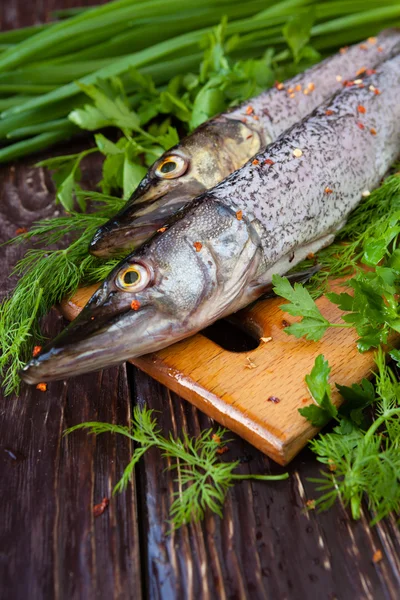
column 199, row 162
column 206, row 265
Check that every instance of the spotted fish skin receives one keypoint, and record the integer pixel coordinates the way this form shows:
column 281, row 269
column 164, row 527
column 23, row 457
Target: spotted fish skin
column 226, row 142
column 219, row 253
column 322, row 165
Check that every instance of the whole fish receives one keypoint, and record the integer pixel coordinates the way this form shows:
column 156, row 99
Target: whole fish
column 220, row 252
column 227, row 142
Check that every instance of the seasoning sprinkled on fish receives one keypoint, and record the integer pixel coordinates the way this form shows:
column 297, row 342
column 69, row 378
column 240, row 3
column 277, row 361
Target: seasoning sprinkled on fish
column 228, row 141
column 286, row 216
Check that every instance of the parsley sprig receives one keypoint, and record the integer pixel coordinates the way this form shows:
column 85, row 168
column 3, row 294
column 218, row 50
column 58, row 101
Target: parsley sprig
column 363, row 458
column 203, row 479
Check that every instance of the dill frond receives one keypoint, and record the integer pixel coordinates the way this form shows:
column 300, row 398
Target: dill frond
column 46, row 277
column 365, row 464
column 203, row 480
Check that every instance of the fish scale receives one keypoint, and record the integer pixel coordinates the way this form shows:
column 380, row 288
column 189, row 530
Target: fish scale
column 220, row 252
column 268, row 192
column 225, row 143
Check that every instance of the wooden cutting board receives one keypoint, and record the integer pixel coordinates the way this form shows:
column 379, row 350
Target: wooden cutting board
column 255, row 393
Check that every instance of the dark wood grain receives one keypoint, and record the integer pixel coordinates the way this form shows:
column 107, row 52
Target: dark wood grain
column 267, row 545
column 52, row 546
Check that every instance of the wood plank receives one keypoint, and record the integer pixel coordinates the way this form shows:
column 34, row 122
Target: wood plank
column 52, row 545
column 267, row 545
column 258, row 400
column 47, row 494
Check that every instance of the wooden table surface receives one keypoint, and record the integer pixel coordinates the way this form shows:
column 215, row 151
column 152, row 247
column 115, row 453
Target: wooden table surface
column 52, row 546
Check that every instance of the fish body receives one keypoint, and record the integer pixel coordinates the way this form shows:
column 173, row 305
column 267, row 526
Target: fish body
column 220, row 252
column 225, row 143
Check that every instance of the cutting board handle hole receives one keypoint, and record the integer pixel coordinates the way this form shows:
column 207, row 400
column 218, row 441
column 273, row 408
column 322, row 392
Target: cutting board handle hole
column 231, row 336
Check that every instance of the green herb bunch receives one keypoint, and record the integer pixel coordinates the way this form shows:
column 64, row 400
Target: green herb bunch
column 43, row 69
column 203, row 479
column 362, row 457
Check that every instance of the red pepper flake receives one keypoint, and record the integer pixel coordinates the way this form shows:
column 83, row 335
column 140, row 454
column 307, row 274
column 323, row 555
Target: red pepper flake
column 135, row 305
column 361, row 85
column 361, row 71
column 305, row 400
column 42, row 387
column 239, row 215
column 328, row 190
column 370, row 72
column 343, row 50
column 360, row 125
column 36, row 350
column 198, row 246
column 273, row 399
column 372, row 131
column 363, row 47
column 380, row 49
column 269, row 162
column 329, row 113
column 249, row 136
column 376, row 92
column 98, row 509
column 161, row 230
column 279, row 85
column 21, row 230
column 222, row 450
column 290, row 91
column 249, row 110
column 215, row 438
column 361, row 109
column 255, row 162
column 256, row 118
column 372, row 40
column 377, row 556
column 332, row 465
column 285, row 323
column 311, row 256
column 348, row 83
column 298, row 87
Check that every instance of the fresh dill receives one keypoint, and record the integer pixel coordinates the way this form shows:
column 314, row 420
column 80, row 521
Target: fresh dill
column 46, row 277
column 203, row 479
column 363, row 461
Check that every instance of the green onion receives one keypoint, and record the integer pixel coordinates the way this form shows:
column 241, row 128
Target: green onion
column 41, row 66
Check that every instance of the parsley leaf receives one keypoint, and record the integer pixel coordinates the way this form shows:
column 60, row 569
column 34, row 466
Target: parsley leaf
column 317, row 383
column 314, row 324
column 297, row 32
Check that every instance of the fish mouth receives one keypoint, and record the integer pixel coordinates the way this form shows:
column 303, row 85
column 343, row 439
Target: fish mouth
column 90, row 343
column 147, row 211
column 113, row 238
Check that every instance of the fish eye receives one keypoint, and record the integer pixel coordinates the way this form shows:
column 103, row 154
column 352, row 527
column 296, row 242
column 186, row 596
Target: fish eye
column 133, row 278
column 171, row 166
